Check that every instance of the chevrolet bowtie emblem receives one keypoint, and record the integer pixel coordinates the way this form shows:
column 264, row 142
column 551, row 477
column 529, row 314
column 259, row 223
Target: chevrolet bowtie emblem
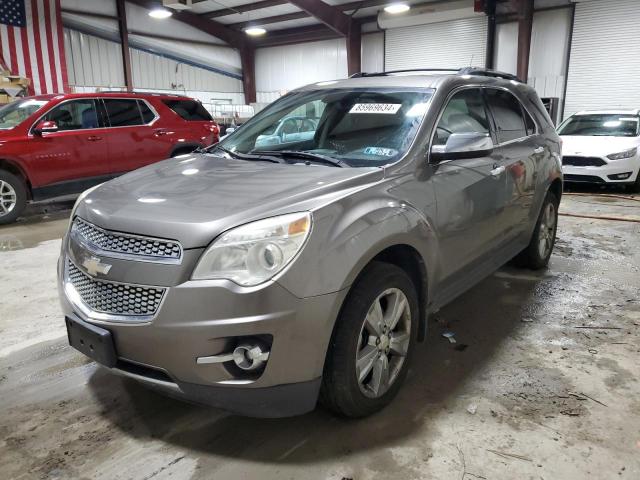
column 93, row 266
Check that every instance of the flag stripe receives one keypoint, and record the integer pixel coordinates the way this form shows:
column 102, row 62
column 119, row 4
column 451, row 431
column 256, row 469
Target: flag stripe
column 33, row 46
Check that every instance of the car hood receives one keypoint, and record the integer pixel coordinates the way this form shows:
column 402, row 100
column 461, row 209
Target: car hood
column 193, row 199
column 596, row 146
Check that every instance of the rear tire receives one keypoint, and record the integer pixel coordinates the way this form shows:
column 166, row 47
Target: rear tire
column 538, row 252
column 372, row 342
column 13, row 197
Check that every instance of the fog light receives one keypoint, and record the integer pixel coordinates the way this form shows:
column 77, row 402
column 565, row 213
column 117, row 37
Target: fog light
column 620, row 176
column 249, row 356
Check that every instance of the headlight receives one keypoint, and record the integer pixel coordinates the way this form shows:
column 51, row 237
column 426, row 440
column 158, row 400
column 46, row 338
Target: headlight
column 254, row 253
column 622, row 155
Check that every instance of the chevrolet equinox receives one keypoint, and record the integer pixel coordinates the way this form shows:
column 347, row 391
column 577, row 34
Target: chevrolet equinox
column 286, row 265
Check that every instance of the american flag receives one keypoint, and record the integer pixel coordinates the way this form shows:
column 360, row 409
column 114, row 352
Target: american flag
column 32, row 43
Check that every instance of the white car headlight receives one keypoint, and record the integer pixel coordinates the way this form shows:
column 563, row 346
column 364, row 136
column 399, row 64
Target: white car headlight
column 254, row 253
column 622, row 155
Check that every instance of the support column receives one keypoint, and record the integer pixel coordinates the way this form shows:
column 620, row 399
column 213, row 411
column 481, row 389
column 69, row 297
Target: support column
column 490, row 10
column 354, row 48
column 248, row 59
column 525, row 25
column 124, row 43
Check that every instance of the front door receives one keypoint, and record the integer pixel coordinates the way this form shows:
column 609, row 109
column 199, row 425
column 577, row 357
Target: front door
column 469, row 192
column 76, row 151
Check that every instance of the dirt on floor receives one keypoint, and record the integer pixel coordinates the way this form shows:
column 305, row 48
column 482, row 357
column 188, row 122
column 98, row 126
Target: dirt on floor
column 541, row 382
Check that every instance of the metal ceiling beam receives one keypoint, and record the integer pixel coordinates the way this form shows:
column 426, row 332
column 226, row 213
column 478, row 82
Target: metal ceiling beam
column 269, row 20
column 332, row 17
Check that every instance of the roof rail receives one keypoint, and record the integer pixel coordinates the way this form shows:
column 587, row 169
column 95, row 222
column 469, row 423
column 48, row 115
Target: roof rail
column 485, row 72
column 138, row 92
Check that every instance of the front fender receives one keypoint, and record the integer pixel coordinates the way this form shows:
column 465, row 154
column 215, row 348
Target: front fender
column 346, row 237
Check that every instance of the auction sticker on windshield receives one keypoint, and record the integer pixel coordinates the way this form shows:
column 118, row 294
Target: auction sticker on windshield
column 384, row 108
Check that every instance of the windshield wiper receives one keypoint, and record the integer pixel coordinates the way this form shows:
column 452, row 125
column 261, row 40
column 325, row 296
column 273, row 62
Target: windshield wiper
column 244, row 156
column 310, row 156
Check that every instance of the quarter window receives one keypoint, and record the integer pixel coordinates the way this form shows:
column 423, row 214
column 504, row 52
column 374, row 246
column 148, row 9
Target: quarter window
column 465, row 113
column 123, row 112
column 507, row 113
column 74, row 115
column 189, row 110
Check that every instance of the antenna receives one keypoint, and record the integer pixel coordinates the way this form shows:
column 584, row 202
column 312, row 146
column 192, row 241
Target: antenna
column 471, row 61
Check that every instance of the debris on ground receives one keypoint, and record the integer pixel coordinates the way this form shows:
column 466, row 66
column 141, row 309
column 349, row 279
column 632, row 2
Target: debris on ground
column 507, row 455
column 472, row 408
column 449, row 336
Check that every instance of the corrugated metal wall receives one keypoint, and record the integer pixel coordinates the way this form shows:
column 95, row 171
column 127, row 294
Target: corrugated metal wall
column 93, row 62
column 452, row 44
column 549, row 46
column 604, row 65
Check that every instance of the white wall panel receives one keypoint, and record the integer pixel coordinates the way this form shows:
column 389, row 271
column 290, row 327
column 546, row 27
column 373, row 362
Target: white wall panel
column 94, row 62
column 373, row 52
column 605, row 56
column 506, row 48
column 291, row 66
column 452, row 44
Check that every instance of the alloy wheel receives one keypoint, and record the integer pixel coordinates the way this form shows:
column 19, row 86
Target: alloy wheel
column 8, row 198
column 547, row 230
column 383, row 343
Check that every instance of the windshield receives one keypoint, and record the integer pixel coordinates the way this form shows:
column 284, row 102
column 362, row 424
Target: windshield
column 600, row 125
column 15, row 113
column 359, row 127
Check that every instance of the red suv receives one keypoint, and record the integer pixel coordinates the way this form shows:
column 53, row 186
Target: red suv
column 54, row 145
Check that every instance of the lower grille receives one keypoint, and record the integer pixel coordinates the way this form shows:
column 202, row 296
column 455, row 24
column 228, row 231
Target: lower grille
column 583, row 161
column 114, row 298
column 582, row 178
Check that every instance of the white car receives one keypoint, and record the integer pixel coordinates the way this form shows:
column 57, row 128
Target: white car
column 602, row 147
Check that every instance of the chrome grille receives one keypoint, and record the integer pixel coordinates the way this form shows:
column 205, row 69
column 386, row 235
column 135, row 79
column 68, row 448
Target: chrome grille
column 114, row 298
column 127, row 244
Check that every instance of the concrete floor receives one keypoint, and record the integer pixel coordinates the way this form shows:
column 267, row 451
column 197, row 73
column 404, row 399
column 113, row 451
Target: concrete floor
column 551, row 400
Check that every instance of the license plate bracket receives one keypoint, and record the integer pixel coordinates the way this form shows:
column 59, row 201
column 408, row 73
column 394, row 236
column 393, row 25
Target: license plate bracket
column 93, row 341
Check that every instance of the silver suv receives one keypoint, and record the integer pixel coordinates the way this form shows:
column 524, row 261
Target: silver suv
column 260, row 278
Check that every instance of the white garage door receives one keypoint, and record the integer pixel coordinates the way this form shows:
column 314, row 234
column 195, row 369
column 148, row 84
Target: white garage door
column 452, row 44
column 604, row 65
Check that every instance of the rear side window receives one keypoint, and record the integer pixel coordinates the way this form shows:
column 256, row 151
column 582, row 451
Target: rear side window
column 123, row 112
column 507, row 113
column 147, row 113
column 189, row 110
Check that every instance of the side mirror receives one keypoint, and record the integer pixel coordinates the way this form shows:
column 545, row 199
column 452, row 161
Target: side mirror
column 463, row 145
column 229, row 131
column 45, row 126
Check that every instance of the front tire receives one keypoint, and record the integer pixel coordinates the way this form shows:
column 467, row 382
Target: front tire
column 372, row 342
column 538, row 252
column 13, row 197
column 635, row 186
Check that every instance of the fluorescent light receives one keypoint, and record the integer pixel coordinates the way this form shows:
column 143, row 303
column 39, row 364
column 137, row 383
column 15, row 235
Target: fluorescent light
column 396, row 8
column 255, row 31
column 160, row 13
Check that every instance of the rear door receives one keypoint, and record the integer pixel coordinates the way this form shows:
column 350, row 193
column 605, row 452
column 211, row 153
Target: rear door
column 76, row 151
column 517, row 150
column 469, row 192
column 133, row 136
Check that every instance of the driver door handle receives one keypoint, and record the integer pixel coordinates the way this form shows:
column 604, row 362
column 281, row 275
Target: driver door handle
column 497, row 170
column 94, row 138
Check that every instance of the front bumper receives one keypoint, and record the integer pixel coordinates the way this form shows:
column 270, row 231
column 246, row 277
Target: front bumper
column 204, row 318
column 605, row 173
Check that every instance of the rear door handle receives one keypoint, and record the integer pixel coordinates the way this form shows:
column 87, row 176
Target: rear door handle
column 94, row 138
column 538, row 151
column 497, row 170
column 161, row 131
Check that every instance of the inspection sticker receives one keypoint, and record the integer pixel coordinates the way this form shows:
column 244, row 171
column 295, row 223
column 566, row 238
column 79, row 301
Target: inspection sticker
column 384, row 108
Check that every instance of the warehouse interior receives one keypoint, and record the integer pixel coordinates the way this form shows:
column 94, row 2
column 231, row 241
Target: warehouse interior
column 528, row 374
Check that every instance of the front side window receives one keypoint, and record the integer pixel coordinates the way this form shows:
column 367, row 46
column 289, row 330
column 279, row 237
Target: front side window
column 601, row 125
column 123, row 112
column 78, row 114
column 507, row 113
column 465, row 113
column 189, row 110
column 359, row 127
column 17, row 112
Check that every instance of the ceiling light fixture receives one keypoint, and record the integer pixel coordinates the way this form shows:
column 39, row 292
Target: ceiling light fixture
column 160, row 13
column 396, row 8
column 255, row 31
